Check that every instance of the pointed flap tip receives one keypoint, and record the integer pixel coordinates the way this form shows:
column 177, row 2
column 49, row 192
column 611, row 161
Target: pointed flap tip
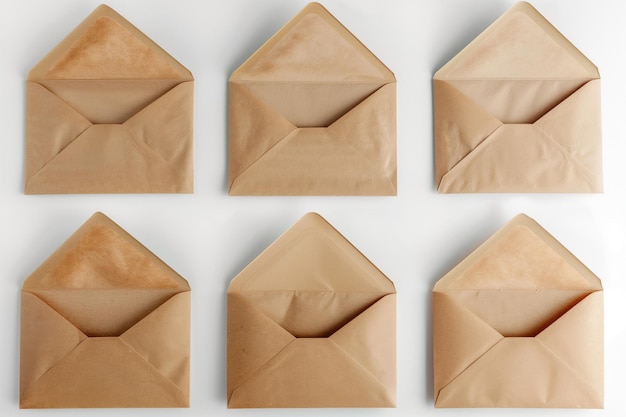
column 104, row 46
column 520, row 32
column 312, row 256
column 100, row 254
column 532, row 257
column 327, row 51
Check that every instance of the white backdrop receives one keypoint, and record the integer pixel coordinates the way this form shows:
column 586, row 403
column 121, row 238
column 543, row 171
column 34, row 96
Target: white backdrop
column 414, row 238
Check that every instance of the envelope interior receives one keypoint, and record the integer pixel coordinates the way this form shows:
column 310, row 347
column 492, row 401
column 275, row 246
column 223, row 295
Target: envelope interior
column 314, row 288
column 520, row 285
column 109, row 101
column 313, row 104
column 518, row 101
column 102, row 283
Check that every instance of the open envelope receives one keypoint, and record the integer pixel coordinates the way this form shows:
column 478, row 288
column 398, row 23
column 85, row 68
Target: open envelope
column 312, row 112
column 311, row 323
column 104, row 323
column 518, row 323
column 518, row 110
column 108, row 111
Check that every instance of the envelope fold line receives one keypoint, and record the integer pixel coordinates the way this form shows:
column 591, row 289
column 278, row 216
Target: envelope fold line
column 266, row 152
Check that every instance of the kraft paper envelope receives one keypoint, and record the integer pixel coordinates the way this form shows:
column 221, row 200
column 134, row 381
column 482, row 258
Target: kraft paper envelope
column 108, row 111
column 104, row 323
column 519, row 323
column 311, row 323
column 312, row 112
column 518, row 110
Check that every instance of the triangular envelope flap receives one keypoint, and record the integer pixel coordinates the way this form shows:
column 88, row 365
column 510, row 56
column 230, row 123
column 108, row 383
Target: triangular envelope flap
column 45, row 338
column 100, row 255
column 56, row 135
column 521, row 255
column 107, row 46
column 460, row 125
column 103, row 372
column 577, row 339
column 459, row 338
column 252, row 340
column 311, row 373
column 519, row 372
column 313, row 46
column 162, row 338
column 370, row 339
column 306, row 271
column 520, row 280
column 521, row 44
column 102, row 280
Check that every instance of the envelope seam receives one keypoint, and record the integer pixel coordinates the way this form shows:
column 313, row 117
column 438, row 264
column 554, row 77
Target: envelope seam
column 271, row 148
column 54, row 365
column 467, row 367
column 359, row 364
column 253, row 373
column 580, row 377
column 589, row 175
column 463, row 160
column 153, row 367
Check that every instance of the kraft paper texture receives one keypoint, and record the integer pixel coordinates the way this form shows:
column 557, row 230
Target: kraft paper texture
column 519, row 323
column 311, row 323
column 312, row 112
column 104, row 323
column 518, row 111
column 108, row 111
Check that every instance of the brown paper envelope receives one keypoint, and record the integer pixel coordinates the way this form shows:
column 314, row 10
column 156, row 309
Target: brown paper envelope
column 312, row 112
column 105, row 323
column 311, row 323
column 108, row 111
column 518, row 110
column 518, row 324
